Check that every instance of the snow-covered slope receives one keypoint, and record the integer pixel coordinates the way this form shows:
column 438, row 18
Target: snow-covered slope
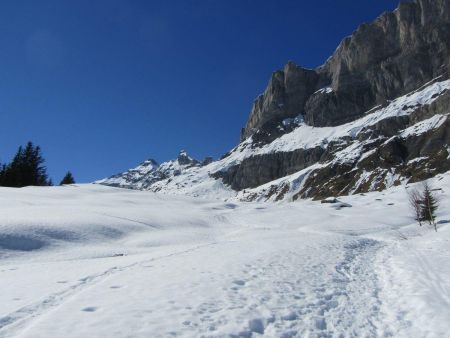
column 149, row 172
column 135, row 178
column 284, row 167
column 96, row 261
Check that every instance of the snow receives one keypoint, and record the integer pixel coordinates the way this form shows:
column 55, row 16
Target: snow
column 293, row 120
column 96, row 261
column 325, row 90
column 364, row 177
column 418, row 159
column 421, row 127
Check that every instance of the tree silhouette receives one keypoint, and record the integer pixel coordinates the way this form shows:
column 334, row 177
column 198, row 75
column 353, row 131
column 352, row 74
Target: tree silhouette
column 68, row 179
column 26, row 168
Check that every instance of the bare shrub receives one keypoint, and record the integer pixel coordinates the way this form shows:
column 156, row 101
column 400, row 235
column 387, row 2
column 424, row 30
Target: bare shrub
column 414, row 197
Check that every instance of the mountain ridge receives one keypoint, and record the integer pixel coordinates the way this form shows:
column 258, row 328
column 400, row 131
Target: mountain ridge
column 365, row 120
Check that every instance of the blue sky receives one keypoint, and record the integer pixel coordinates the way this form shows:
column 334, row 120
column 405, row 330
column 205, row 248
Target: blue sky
column 103, row 85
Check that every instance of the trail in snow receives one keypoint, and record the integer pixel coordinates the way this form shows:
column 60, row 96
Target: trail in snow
column 15, row 321
column 276, row 292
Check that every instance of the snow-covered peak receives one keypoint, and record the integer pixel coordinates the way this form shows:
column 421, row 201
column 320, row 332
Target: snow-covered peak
column 132, row 178
column 147, row 166
column 149, row 172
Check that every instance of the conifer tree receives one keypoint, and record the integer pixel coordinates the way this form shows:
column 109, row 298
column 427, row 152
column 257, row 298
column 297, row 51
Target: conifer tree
column 68, row 179
column 12, row 175
column 26, row 168
column 429, row 205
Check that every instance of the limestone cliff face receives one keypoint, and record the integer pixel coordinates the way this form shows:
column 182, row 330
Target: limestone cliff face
column 395, row 54
column 285, row 96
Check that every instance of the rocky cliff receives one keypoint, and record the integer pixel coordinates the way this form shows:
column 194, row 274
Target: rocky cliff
column 395, row 54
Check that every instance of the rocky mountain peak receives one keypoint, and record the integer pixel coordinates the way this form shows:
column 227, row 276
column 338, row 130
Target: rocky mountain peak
column 389, row 57
column 184, row 159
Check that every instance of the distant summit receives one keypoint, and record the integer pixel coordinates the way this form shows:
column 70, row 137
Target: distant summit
column 184, row 159
column 150, row 172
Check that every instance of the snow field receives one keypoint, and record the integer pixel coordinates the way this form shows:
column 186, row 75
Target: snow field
column 123, row 263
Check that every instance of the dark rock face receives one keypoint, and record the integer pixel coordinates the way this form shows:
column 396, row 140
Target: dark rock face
column 257, row 170
column 285, row 96
column 387, row 58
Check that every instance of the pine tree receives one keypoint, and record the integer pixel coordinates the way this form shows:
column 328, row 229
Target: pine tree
column 429, row 205
column 68, row 179
column 40, row 171
column 26, row 168
column 12, row 175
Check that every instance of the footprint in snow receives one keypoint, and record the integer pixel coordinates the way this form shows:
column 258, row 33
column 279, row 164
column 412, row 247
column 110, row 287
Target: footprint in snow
column 319, row 323
column 256, row 325
column 239, row 282
column 289, row 334
column 289, row 316
column 89, row 309
column 231, row 206
column 115, row 286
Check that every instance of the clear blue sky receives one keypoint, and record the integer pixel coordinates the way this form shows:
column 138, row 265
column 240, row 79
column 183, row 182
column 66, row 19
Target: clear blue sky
column 103, row 85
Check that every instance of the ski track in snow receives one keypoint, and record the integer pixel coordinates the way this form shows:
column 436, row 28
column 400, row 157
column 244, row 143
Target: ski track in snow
column 14, row 322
